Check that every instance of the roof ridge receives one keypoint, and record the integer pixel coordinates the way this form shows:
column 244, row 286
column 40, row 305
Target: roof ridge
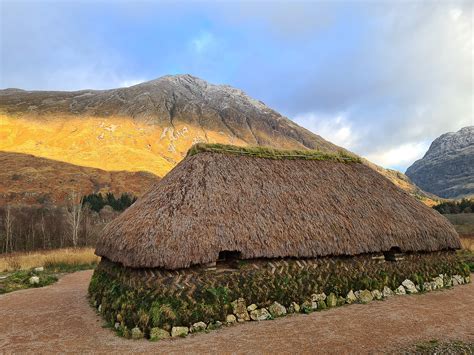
column 272, row 153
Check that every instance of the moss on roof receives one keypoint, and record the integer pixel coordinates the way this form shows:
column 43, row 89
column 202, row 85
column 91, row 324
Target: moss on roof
column 271, row 153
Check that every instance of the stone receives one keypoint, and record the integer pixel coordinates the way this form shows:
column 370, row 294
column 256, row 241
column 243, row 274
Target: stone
column 341, row 301
column 252, row 307
column 34, row 280
column 387, row 292
column 427, row 286
column 409, row 286
column 260, row 314
column 99, row 309
column 277, row 310
column 467, row 279
column 198, row 327
column 231, row 319
column 400, row 290
column 308, row 307
column 316, row 297
column 158, row 334
column 119, row 317
column 458, row 280
column 117, row 325
column 448, row 282
column 439, row 283
column 38, row 269
column 179, row 331
column 240, row 310
column 322, row 305
column 136, row 333
column 376, row 294
column 364, row 296
column 215, row 325
column 331, row 300
column 351, row 297
column 293, row 308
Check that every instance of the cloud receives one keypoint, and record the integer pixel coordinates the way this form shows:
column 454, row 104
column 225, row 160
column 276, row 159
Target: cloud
column 336, row 129
column 202, row 42
column 401, row 156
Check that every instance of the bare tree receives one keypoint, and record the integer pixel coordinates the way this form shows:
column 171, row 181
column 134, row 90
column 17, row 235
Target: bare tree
column 74, row 216
column 8, row 224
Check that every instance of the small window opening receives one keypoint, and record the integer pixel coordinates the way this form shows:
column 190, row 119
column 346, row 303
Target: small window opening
column 394, row 254
column 229, row 255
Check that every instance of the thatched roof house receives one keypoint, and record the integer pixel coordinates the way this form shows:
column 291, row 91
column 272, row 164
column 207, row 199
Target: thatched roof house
column 264, row 203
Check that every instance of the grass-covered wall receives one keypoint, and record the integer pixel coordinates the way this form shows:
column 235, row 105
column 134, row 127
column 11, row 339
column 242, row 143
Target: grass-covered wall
column 147, row 298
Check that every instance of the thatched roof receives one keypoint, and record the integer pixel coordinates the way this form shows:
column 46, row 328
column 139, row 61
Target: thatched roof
column 270, row 206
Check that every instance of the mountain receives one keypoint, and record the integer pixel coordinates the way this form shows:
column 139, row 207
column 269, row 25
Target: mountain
column 26, row 179
column 146, row 127
column 447, row 169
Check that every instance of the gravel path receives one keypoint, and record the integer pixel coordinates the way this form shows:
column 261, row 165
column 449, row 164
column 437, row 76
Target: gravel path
column 58, row 318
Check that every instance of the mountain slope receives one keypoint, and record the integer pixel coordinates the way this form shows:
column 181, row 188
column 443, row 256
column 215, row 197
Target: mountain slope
column 447, row 169
column 146, row 127
column 26, row 179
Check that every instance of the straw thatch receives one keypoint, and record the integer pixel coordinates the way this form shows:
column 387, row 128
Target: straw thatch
column 214, row 201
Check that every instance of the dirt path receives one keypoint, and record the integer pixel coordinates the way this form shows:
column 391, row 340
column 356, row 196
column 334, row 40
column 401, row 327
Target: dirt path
column 58, row 319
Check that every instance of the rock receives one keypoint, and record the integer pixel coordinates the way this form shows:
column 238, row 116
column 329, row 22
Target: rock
column 119, row 317
column 458, row 280
column 198, row 327
column 34, row 280
column 252, row 307
column 179, row 331
column 240, row 310
column 400, row 290
column 215, row 325
column 364, row 296
column 308, row 306
column 260, row 314
column 136, row 333
column 38, row 269
column 447, row 281
column 158, row 334
column 322, row 305
column 467, row 279
column 439, row 283
column 427, row 286
column 293, row 308
column 409, row 286
column 99, row 309
column 316, row 297
column 331, row 300
column 376, row 294
column 341, row 301
column 387, row 292
column 351, row 297
column 277, row 310
column 117, row 325
column 231, row 319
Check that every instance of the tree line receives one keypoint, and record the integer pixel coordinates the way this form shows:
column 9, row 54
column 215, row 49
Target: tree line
column 454, row 207
column 76, row 224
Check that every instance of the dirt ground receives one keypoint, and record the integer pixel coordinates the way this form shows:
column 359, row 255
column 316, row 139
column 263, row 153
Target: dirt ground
column 58, row 318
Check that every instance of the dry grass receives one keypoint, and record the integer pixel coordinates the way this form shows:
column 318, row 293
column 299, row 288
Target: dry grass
column 467, row 242
column 68, row 256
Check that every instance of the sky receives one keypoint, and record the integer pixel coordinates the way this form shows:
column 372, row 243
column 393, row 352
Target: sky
column 381, row 78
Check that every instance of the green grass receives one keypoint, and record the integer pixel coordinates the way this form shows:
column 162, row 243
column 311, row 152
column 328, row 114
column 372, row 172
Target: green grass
column 271, row 153
column 20, row 279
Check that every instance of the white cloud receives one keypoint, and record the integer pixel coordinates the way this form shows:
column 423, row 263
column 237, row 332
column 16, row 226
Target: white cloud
column 399, row 157
column 131, row 82
column 203, row 42
column 336, row 129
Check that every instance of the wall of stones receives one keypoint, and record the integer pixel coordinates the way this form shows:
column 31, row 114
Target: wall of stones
column 150, row 299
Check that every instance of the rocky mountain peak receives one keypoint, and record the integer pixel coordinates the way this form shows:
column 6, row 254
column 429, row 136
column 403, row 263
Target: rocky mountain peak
column 447, row 169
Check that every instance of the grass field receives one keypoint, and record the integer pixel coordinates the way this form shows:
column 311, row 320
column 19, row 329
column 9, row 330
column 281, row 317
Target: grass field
column 463, row 222
column 16, row 269
column 58, row 258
